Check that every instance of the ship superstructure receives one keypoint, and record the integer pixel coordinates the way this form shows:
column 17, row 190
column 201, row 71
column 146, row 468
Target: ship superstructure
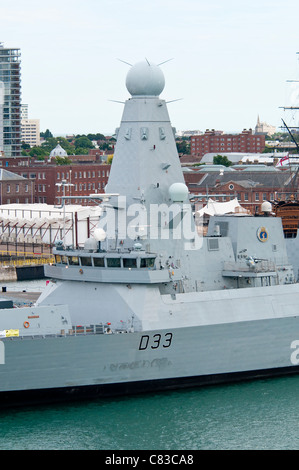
column 148, row 303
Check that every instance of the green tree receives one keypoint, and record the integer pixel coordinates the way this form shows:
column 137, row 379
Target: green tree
column 38, row 152
column 63, row 160
column 46, row 134
column 97, row 136
column 83, row 142
column 81, row 151
column 183, row 146
column 52, row 142
column 221, row 160
column 25, row 146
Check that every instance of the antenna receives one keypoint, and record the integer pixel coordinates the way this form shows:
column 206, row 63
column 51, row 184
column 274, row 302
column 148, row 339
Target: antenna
column 115, row 101
column 292, row 137
column 125, row 62
column 179, row 99
column 161, row 63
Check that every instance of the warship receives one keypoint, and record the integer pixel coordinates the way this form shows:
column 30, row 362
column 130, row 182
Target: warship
column 148, row 303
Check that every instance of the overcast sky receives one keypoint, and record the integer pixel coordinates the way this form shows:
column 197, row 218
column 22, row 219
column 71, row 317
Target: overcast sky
column 231, row 59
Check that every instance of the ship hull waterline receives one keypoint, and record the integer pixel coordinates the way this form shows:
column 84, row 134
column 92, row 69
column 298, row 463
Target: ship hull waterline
column 97, row 366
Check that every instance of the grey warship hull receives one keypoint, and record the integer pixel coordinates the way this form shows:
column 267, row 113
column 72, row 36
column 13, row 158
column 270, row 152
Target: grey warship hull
column 253, row 344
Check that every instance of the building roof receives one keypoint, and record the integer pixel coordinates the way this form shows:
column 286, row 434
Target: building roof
column 6, row 175
column 58, row 152
column 267, row 179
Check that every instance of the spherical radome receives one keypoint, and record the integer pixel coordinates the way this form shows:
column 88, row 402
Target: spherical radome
column 99, row 234
column 266, row 206
column 145, row 79
column 178, row 192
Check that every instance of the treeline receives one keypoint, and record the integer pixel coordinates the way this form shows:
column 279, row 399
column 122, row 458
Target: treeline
column 74, row 145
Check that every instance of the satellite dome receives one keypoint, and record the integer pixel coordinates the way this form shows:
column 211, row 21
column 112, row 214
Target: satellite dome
column 90, row 245
column 266, row 206
column 178, row 192
column 99, row 234
column 145, row 79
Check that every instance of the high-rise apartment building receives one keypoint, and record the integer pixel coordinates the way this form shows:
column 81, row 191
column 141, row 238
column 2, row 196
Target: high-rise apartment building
column 24, row 111
column 10, row 83
column 30, row 132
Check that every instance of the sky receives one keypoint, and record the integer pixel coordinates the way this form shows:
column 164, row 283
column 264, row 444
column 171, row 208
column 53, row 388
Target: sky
column 230, row 60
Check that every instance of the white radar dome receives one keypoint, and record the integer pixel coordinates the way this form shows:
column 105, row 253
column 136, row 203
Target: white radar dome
column 99, row 234
column 178, row 192
column 145, row 79
column 266, row 206
column 90, row 244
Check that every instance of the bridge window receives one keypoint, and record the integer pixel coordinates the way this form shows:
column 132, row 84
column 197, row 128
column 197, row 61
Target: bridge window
column 85, row 261
column 147, row 262
column 113, row 262
column 129, row 263
column 99, row 262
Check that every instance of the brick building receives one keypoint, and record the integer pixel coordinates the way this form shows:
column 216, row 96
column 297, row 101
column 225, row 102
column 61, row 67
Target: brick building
column 15, row 188
column 84, row 178
column 216, row 141
column 251, row 185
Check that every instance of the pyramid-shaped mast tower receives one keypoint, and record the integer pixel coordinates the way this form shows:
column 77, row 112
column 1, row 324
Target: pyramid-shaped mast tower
column 146, row 167
column 145, row 162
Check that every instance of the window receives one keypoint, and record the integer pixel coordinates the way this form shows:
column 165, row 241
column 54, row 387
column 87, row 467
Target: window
column 73, row 260
column 213, row 244
column 257, row 196
column 17, row 188
column 8, row 188
column 113, row 262
column 129, row 263
column 85, row 261
column 99, row 262
column 147, row 262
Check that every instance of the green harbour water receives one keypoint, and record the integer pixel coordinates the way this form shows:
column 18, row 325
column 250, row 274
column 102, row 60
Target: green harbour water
column 257, row 415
